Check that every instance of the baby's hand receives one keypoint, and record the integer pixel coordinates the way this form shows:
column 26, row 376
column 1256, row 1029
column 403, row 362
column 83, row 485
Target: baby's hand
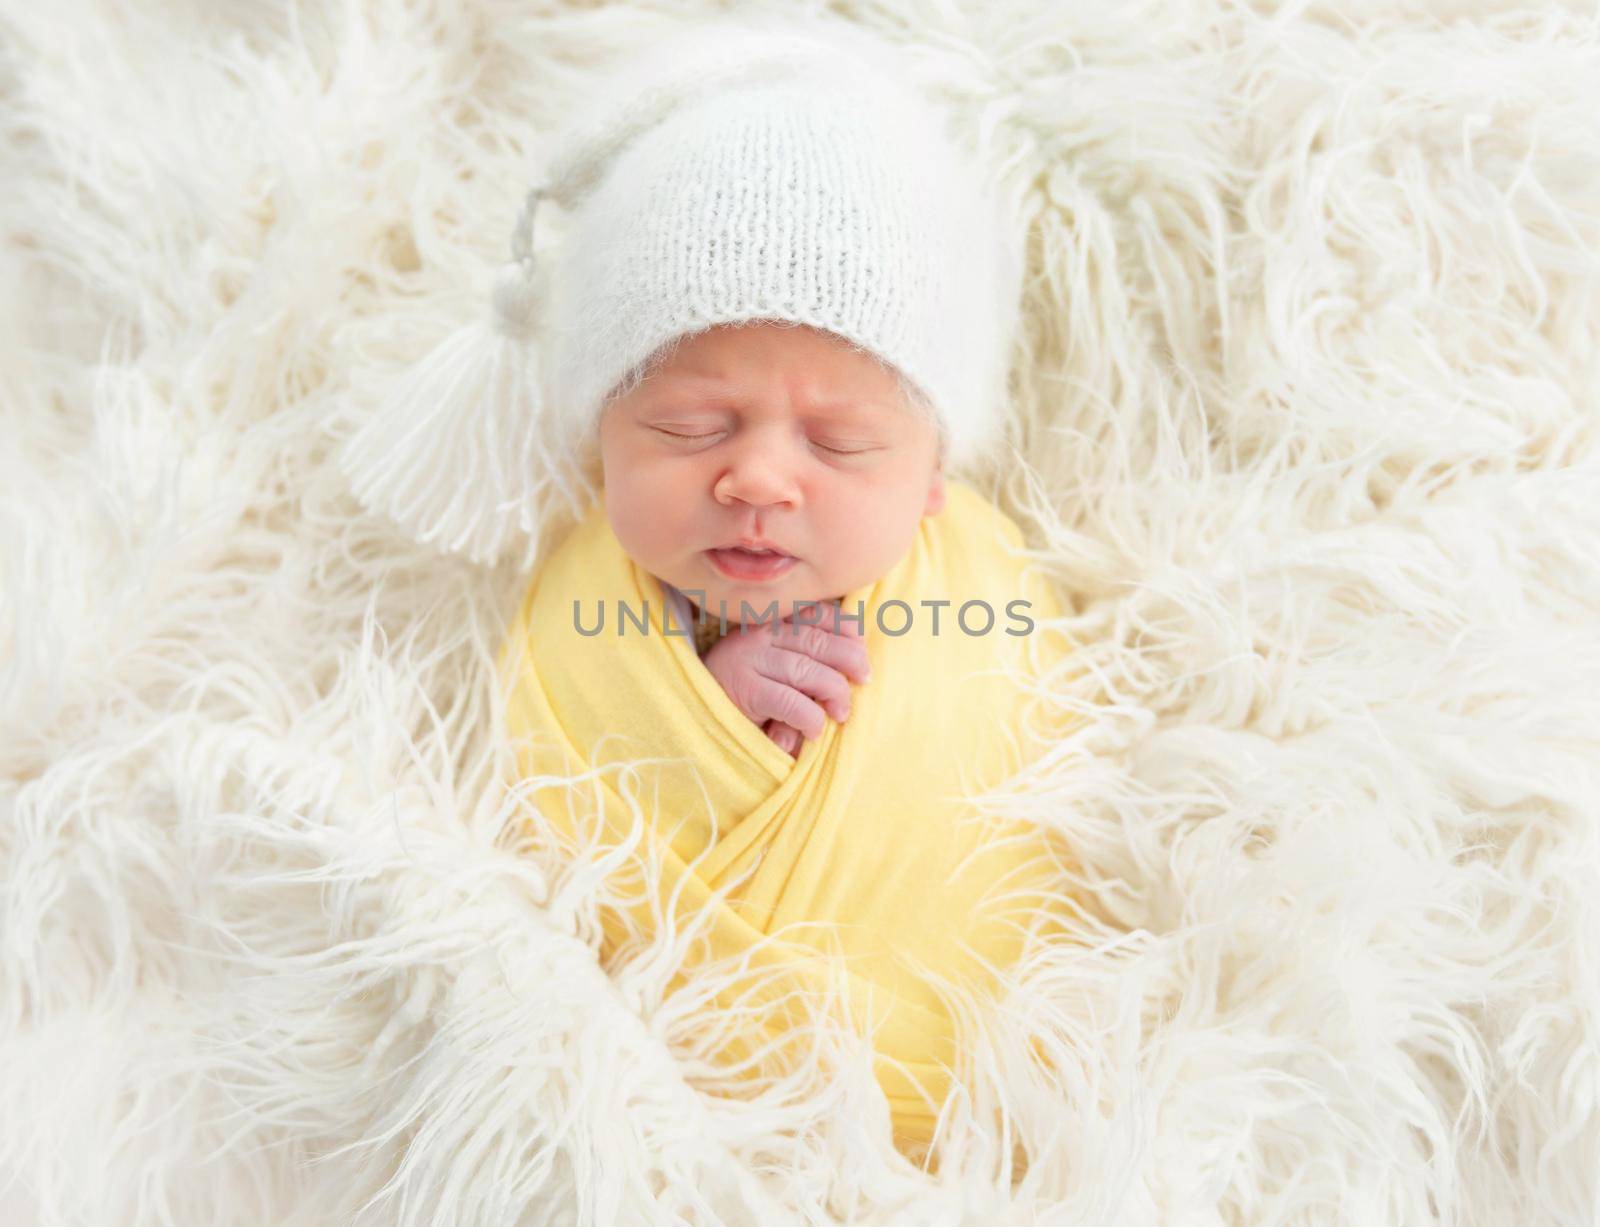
column 786, row 677
column 788, row 738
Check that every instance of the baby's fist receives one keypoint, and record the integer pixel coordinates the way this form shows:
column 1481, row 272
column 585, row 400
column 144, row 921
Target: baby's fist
column 788, row 678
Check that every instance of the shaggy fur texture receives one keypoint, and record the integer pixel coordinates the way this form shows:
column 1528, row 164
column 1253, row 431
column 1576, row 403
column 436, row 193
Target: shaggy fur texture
column 1308, row 399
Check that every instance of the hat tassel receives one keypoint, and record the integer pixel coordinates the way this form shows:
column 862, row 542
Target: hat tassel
column 462, row 457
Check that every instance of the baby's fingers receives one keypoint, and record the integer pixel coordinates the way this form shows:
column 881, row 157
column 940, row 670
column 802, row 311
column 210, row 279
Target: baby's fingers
column 776, row 701
column 831, row 618
column 841, row 653
column 809, row 676
column 785, row 736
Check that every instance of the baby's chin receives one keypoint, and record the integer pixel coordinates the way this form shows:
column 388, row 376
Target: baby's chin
column 752, row 604
column 768, row 602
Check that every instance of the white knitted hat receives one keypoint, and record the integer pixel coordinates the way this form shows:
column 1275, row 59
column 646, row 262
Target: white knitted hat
column 741, row 172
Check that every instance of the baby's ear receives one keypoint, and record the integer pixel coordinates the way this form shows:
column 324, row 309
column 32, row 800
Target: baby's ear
column 935, row 503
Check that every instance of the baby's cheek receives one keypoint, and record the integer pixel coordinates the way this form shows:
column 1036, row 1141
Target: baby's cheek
column 644, row 527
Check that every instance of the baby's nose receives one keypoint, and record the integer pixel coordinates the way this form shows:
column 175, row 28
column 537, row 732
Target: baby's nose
column 760, row 473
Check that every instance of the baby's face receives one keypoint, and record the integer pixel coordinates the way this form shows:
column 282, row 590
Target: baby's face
column 772, row 432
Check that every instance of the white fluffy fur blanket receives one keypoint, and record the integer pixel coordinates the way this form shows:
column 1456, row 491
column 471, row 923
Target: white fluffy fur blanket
column 1310, row 388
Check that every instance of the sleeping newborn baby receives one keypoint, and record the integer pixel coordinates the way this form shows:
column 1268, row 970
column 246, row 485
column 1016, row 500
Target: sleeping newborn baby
column 765, row 468
column 772, row 814
column 778, row 329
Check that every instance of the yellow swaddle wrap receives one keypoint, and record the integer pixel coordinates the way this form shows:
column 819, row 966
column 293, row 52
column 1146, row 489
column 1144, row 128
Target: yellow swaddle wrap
column 868, row 828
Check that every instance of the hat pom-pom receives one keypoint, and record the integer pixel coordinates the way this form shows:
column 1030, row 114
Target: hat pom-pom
column 463, row 456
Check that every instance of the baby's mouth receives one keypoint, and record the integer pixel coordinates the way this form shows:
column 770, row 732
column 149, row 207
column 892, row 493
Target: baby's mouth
column 738, row 562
